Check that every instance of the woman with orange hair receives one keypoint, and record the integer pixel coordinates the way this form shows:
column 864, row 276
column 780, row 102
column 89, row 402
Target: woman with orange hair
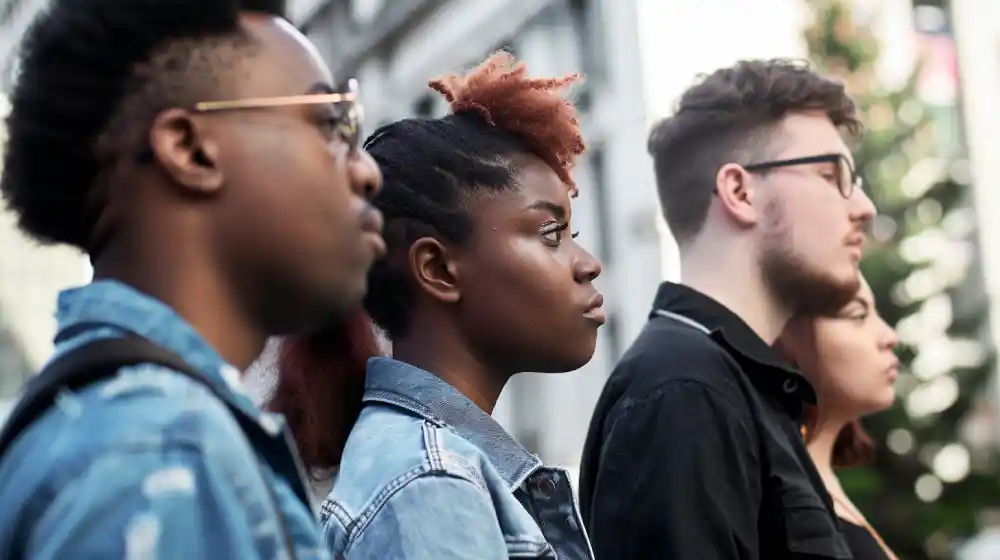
column 481, row 280
column 848, row 357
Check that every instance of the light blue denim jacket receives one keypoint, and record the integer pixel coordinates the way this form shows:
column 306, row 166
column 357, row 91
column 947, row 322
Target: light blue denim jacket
column 149, row 463
column 427, row 475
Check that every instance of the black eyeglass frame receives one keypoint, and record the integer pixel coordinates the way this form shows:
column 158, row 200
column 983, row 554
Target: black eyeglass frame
column 844, row 186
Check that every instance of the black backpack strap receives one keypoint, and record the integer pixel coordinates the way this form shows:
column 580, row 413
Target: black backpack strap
column 80, row 367
column 101, row 359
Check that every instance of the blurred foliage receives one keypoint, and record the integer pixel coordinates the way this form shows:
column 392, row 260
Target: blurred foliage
column 916, row 268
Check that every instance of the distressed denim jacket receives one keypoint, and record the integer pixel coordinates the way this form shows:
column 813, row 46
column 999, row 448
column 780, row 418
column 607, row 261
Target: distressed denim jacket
column 427, row 475
column 148, row 463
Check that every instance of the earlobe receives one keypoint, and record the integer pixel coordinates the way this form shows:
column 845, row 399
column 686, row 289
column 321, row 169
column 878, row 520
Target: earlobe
column 735, row 192
column 182, row 148
column 434, row 270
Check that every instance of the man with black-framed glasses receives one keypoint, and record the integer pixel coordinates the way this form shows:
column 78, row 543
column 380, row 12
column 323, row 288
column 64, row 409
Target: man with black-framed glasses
column 200, row 152
column 694, row 450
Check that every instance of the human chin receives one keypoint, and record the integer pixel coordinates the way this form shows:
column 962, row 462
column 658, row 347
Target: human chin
column 807, row 287
column 573, row 354
column 881, row 399
column 845, row 275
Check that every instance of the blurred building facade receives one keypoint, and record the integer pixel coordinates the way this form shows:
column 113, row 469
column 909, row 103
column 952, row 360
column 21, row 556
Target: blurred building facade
column 394, row 47
column 30, row 278
column 638, row 55
column 977, row 37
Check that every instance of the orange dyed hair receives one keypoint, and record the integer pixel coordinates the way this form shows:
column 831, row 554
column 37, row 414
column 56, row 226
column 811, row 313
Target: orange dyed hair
column 529, row 109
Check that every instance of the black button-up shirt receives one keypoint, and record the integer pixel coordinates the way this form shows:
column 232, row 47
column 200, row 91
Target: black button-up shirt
column 694, row 451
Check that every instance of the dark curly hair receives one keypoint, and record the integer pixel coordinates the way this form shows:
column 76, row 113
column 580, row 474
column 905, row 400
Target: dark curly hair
column 93, row 76
column 430, row 168
column 728, row 118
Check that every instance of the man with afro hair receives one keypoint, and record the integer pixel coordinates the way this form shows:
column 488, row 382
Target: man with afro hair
column 201, row 154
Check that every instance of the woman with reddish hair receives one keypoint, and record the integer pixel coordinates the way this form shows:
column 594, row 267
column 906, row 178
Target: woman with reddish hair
column 481, row 280
column 849, row 359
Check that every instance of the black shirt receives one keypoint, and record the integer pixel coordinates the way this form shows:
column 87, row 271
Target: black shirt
column 862, row 544
column 694, row 451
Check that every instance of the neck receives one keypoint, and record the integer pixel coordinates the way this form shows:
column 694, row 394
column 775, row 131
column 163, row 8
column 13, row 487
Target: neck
column 434, row 350
column 209, row 305
column 743, row 294
column 822, row 440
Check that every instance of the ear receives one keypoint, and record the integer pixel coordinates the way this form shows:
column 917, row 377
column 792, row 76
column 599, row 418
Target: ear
column 735, row 190
column 182, row 148
column 435, row 270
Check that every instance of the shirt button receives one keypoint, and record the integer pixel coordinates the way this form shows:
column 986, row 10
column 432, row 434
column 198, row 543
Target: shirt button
column 790, row 385
column 547, row 488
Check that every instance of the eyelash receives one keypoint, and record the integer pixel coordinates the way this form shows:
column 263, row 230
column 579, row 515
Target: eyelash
column 331, row 124
column 558, row 231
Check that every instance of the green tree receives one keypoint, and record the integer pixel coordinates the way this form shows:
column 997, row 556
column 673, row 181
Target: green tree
column 922, row 270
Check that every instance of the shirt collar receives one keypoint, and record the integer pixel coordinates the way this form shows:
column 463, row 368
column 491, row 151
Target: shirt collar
column 105, row 304
column 734, row 334
column 426, row 395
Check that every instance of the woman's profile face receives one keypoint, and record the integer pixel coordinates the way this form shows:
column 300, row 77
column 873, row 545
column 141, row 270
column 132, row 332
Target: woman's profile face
column 528, row 295
column 854, row 366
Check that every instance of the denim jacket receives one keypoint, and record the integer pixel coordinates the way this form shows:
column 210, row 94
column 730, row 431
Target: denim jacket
column 427, row 475
column 148, row 463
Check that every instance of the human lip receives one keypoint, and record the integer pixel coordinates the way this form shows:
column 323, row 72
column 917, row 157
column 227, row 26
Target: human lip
column 856, row 243
column 371, row 227
column 595, row 309
column 892, row 372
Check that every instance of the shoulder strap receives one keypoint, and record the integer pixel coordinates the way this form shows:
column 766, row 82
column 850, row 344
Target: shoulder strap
column 81, row 367
column 102, row 359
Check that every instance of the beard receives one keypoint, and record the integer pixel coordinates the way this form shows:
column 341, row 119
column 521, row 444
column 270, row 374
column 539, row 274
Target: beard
column 798, row 286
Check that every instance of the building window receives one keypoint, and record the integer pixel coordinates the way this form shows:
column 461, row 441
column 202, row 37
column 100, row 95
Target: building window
column 424, row 106
column 601, row 204
column 363, row 12
column 14, row 368
column 611, row 332
column 589, row 29
column 508, row 44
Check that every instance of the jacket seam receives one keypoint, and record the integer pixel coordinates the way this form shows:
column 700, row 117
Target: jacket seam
column 357, row 526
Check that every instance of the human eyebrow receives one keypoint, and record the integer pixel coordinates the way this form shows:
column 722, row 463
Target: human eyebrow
column 320, row 88
column 853, row 306
column 557, row 210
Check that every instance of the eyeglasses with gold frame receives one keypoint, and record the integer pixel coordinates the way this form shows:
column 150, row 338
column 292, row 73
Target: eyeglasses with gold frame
column 348, row 120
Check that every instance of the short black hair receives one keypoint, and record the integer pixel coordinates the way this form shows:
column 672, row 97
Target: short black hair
column 430, row 167
column 727, row 118
column 93, row 76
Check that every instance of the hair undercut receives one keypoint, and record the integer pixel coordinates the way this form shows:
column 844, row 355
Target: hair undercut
column 729, row 117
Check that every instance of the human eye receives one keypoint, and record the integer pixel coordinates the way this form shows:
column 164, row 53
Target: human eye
column 553, row 233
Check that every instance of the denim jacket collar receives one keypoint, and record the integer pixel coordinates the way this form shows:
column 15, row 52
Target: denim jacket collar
column 112, row 304
column 422, row 393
